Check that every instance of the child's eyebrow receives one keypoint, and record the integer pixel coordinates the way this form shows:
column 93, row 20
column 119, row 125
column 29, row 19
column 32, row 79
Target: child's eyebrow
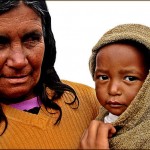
column 131, row 71
column 123, row 71
column 101, row 70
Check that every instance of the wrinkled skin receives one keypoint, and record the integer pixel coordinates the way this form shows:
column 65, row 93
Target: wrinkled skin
column 21, row 52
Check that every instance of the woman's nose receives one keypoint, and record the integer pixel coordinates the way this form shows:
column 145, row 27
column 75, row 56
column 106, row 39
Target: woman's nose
column 114, row 88
column 17, row 58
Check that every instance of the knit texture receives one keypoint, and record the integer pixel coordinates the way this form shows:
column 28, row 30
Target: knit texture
column 133, row 125
column 134, row 32
column 31, row 131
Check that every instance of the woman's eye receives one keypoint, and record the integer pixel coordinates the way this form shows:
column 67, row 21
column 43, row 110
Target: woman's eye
column 131, row 78
column 32, row 40
column 103, row 77
column 3, row 42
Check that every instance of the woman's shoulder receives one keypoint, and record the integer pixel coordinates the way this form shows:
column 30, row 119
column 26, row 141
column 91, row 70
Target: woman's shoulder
column 85, row 93
column 77, row 85
column 87, row 97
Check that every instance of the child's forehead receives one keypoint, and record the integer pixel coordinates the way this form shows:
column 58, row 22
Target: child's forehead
column 120, row 53
column 119, row 48
column 120, row 59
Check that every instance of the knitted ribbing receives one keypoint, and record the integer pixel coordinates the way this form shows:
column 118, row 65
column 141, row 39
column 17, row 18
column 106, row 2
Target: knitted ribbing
column 30, row 131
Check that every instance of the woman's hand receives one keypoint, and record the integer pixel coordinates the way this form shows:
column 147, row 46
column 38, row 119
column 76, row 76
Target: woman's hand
column 96, row 136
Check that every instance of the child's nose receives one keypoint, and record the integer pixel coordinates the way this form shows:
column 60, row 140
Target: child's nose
column 114, row 88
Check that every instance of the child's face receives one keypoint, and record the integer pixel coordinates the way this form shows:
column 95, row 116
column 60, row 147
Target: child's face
column 119, row 74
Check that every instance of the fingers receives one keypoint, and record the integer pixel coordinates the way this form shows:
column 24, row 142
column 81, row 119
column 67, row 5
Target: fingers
column 112, row 131
column 89, row 136
column 96, row 136
column 104, row 132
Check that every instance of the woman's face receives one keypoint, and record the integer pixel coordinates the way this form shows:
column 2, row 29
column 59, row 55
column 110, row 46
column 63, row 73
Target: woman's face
column 21, row 52
column 119, row 74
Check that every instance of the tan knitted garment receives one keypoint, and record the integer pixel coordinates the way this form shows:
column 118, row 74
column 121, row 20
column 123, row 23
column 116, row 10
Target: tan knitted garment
column 136, row 32
column 133, row 125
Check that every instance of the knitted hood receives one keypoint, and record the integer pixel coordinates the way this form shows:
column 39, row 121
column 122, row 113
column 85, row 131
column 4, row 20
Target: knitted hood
column 134, row 32
column 133, row 125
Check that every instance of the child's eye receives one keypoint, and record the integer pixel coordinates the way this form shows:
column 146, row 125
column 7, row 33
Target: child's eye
column 131, row 78
column 103, row 77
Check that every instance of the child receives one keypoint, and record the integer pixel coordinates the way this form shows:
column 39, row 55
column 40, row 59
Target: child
column 119, row 65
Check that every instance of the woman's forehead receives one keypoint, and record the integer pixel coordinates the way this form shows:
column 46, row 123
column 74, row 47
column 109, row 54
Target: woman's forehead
column 20, row 17
column 22, row 11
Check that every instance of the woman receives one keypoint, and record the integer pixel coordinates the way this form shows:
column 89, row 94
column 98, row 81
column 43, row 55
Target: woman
column 37, row 109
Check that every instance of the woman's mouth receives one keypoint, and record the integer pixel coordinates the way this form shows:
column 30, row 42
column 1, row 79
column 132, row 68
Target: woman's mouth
column 18, row 79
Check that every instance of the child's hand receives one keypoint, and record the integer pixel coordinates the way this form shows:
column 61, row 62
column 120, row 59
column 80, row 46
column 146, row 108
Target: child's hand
column 96, row 136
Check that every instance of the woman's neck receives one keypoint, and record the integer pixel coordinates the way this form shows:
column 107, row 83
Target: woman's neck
column 27, row 104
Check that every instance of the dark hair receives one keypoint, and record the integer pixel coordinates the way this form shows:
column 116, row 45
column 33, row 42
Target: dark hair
column 49, row 77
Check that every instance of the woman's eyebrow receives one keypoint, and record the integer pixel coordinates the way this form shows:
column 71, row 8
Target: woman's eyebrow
column 32, row 33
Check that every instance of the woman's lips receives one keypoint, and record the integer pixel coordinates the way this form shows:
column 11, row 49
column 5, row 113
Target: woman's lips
column 18, row 79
